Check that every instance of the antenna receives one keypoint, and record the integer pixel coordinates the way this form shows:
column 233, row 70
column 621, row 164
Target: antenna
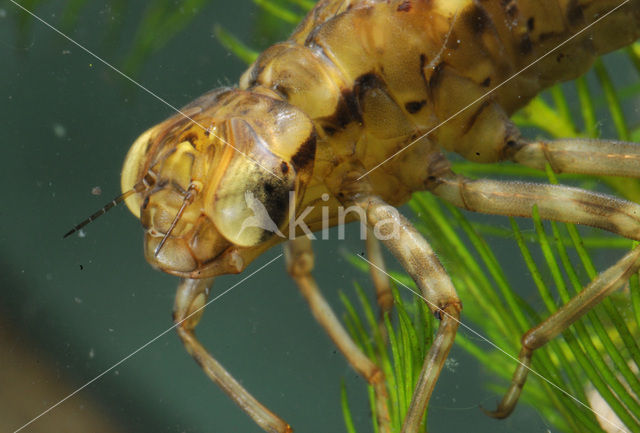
column 188, row 198
column 119, row 199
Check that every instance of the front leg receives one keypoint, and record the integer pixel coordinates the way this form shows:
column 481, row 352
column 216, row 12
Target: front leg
column 188, row 308
column 416, row 256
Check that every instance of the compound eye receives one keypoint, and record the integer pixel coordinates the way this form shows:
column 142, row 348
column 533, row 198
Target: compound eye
column 132, row 168
column 251, row 201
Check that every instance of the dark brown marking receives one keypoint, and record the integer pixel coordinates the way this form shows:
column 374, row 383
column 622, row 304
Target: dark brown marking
column 149, row 180
column 149, row 143
column 477, row 18
column 510, row 8
column 282, row 90
column 363, row 84
column 349, row 109
column 255, row 73
column 486, row 82
column 469, row 125
column 269, row 188
column 305, row 154
column 329, row 130
column 310, row 40
column 284, row 167
column 423, row 62
column 531, row 24
column 275, row 198
column 192, row 138
column 605, row 212
column 343, row 115
column 512, row 140
column 525, row 45
column 405, row 6
column 414, row 106
column 367, row 82
column 437, row 75
column 575, row 14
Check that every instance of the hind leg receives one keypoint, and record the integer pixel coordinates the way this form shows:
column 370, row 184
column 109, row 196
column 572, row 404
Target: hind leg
column 538, row 336
column 416, row 256
column 560, row 203
column 583, row 156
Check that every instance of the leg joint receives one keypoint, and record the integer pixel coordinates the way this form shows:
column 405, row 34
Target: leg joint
column 452, row 309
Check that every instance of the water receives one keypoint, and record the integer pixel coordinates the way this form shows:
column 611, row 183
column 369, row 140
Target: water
column 76, row 307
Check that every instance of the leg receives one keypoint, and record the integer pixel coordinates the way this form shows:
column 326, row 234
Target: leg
column 379, row 278
column 537, row 337
column 559, row 203
column 419, row 260
column 299, row 256
column 596, row 157
column 192, row 295
column 555, row 202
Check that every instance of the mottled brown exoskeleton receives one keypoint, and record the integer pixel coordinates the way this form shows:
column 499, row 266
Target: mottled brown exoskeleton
column 359, row 104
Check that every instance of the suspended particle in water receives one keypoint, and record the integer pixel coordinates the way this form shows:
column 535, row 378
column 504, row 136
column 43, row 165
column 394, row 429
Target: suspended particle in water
column 59, row 130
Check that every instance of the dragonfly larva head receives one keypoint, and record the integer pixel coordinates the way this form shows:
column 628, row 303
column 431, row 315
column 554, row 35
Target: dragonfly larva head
column 219, row 181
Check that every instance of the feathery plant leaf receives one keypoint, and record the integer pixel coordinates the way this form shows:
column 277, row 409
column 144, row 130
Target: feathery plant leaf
column 348, row 420
column 235, row 45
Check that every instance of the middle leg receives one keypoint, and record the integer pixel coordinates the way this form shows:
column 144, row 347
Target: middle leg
column 299, row 256
column 377, row 270
column 416, row 256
